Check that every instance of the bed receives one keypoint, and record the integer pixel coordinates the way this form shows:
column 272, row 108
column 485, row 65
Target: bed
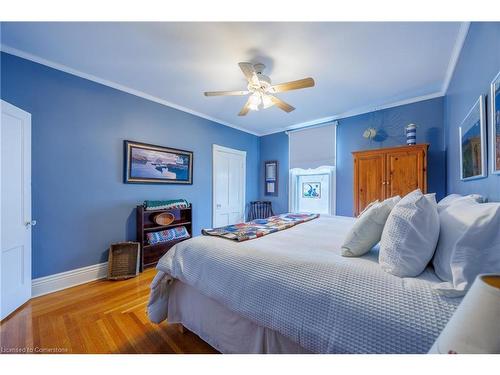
column 292, row 292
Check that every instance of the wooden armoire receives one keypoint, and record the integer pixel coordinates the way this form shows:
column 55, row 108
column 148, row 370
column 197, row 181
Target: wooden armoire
column 387, row 172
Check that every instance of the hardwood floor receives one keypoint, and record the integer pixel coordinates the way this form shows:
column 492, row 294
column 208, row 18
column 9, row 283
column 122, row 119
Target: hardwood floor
column 99, row 317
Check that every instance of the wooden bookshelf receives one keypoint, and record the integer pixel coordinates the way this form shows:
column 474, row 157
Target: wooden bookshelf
column 151, row 254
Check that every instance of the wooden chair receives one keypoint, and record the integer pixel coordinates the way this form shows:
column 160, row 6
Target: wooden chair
column 260, row 210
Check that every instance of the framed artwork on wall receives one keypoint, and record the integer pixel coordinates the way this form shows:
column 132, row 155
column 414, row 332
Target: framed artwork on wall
column 146, row 164
column 472, row 133
column 311, row 190
column 271, row 177
column 495, row 124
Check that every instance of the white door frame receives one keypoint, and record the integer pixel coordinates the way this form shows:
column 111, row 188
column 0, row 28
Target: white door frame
column 217, row 148
column 26, row 194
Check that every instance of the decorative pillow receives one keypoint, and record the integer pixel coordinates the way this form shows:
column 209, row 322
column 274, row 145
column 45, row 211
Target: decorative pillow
column 410, row 235
column 368, row 228
column 455, row 198
column 469, row 244
column 176, row 233
column 368, row 207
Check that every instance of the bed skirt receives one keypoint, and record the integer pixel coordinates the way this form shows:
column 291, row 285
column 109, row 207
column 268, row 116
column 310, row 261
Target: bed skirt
column 223, row 329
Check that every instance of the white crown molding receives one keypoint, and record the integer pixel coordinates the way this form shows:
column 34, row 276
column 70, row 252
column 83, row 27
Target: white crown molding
column 356, row 112
column 40, row 60
column 457, row 49
column 63, row 280
column 359, row 111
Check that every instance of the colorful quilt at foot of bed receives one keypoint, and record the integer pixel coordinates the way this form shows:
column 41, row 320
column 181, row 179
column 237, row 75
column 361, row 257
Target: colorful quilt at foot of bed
column 259, row 227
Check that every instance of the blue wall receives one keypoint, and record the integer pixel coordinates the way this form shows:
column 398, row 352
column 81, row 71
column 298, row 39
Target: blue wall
column 477, row 65
column 275, row 147
column 79, row 199
column 428, row 115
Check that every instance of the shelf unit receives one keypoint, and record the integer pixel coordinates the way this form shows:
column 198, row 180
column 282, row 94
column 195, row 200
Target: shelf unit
column 150, row 254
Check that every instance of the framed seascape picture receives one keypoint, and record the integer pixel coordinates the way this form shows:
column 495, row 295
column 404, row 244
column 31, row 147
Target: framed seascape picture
column 311, row 190
column 472, row 134
column 145, row 164
column 495, row 124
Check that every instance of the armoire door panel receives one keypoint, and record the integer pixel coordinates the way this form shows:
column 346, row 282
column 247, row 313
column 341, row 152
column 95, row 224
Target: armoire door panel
column 370, row 177
column 404, row 172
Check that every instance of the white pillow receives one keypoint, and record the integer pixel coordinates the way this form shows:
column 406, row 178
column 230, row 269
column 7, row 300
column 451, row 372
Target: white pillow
column 469, row 244
column 410, row 235
column 455, row 198
column 368, row 228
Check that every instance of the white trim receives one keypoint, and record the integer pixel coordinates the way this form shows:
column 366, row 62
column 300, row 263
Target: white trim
column 356, row 112
column 63, row 280
column 457, row 49
column 218, row 148
column 114, row 85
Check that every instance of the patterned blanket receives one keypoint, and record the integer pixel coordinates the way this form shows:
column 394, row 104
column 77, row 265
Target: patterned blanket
column 259, row 227
column 165, row 204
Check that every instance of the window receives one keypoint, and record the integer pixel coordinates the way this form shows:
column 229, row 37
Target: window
column 312, row 170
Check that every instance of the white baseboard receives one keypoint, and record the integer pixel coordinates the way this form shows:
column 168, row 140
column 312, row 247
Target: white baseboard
column 63, row 280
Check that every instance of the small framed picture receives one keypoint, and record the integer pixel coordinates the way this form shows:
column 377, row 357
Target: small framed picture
column 311, row 190
column 146, row 164
column 472, row 133
column 271, row 177
column 495, row 124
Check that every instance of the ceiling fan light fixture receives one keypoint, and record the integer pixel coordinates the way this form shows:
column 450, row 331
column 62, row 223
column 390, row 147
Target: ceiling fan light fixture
column 266, row 101
column 254, row 101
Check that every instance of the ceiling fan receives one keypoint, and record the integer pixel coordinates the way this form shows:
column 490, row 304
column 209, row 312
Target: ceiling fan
column 261, row 91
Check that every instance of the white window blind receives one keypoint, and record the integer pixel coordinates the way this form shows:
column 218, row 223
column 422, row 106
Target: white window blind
column 313, row 147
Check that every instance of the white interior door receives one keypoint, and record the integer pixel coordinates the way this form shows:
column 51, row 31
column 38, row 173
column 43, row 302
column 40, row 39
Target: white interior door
column 229, row 179
column 15, row 205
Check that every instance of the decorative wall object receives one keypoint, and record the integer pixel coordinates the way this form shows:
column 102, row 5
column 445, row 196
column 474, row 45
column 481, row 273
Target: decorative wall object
column 472, row 134
column 145, row 163
column 370, row 133
column 411, row 134
column 495, row 124
column 271, row 177
column 311, row 190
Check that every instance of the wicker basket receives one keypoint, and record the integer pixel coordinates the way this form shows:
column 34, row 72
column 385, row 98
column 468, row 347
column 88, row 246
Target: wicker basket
column 165, row 218
column 123, row 260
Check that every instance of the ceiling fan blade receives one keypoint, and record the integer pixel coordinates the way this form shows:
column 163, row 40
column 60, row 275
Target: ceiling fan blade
column 226, row 93
column 249, row 72
column 281, row 104
column 293, row 85
column 245, row 108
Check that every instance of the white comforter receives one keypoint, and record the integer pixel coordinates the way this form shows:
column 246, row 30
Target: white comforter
column 297, row 283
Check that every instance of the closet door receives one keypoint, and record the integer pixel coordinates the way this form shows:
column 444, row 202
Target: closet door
column 369, row 175
column 406, row 171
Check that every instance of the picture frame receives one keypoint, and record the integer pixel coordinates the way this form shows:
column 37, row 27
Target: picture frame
column 271, row 177
column 152, row 164
column 472, row 137
column 311, row 190
column 494, row 124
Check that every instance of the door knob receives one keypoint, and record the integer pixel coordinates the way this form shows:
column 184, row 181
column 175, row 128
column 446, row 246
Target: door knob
column 31, row 223
column 218, row 205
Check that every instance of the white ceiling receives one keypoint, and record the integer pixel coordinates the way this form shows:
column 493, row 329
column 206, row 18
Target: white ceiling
column 356, row 66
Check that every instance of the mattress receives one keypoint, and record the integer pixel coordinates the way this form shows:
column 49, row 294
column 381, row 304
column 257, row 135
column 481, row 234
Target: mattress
column 295, row 282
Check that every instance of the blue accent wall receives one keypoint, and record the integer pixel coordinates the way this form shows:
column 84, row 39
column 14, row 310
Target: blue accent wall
column 478, row 63
column 275, row 147
column 391, row 122
column 79, row 199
